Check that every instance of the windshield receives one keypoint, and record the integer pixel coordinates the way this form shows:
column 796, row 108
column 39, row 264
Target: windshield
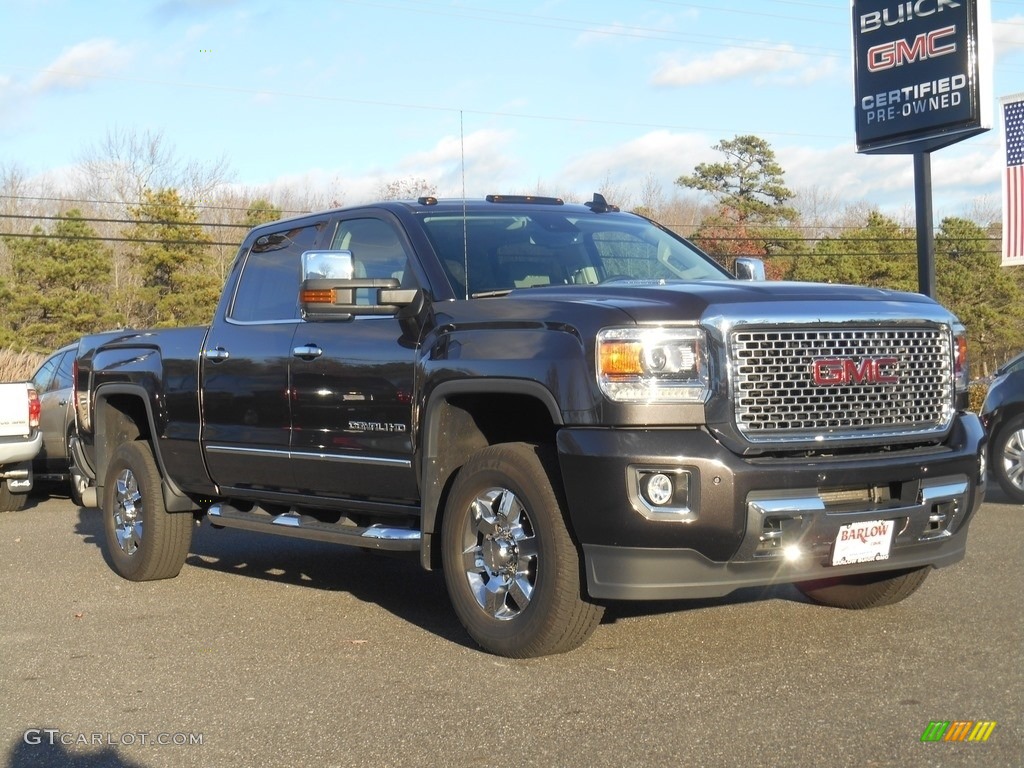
column 499, row 252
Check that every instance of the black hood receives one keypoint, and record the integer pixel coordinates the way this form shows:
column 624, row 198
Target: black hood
column 650, row 302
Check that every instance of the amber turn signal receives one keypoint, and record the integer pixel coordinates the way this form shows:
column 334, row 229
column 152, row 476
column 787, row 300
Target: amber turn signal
column 621, row 358
column 318, row 296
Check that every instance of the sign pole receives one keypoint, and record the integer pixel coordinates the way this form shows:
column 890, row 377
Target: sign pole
column 925, row 227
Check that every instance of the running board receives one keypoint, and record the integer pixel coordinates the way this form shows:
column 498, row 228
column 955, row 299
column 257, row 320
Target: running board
column 305, row 527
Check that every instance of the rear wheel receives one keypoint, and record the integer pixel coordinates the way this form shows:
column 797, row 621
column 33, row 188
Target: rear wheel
column 511, row 567
column 1007, row 453
column 144, row 540
column 866, row 590
column 10, row 501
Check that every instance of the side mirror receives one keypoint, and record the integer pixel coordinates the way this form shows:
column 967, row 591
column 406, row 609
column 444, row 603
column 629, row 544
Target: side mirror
column 747, row 268
column 330, row 290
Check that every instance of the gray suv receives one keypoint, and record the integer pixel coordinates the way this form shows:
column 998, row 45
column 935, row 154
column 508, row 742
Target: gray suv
column 53, row 382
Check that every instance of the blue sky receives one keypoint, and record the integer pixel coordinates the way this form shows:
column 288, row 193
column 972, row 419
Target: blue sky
column 558, row 96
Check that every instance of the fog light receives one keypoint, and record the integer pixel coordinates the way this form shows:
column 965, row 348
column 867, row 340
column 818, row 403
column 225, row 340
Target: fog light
column 791, row 552
column 658, row 489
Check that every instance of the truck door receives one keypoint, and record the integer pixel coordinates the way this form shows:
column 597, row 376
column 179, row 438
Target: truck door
column 352, row 384
column 246, row 405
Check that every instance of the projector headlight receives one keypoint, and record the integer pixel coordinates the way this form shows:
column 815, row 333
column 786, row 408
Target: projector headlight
column 653, row 364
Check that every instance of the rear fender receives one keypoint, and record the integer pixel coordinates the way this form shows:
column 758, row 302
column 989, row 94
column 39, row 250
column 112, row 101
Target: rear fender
column 123, row 413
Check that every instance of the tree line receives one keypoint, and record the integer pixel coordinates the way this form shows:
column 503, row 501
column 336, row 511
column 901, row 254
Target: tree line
column 155, row 252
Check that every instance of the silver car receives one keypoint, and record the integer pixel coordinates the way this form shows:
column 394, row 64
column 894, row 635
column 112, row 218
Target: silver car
column 53, row 382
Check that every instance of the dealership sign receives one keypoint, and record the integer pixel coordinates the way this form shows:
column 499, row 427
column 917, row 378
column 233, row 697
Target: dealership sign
column 922, row 73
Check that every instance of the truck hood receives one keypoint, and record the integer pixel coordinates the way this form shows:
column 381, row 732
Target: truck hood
column 736, row 301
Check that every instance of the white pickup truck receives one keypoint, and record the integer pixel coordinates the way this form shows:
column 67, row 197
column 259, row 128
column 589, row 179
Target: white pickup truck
column 20, row 441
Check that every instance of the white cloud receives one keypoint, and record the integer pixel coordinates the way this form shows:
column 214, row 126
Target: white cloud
column 171, row 10
column 730, row 64
column 662, row 150
column 489, row 167
column 959, row 175
column 661, row 155
column 1008, row 36
column 14, row 106
column 80, row 64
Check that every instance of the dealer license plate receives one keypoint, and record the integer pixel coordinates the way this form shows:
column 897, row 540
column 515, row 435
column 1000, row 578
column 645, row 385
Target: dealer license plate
column 863, row 542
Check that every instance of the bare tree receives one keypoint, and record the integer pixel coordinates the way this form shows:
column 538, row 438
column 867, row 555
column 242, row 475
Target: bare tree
column 408, row 188
column 820, row 211
column 21, row 198
column 652, row 196
column 615, row 194
column 125, row 163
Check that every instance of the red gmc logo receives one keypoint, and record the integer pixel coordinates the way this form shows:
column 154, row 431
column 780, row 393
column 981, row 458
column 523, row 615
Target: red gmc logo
column 834, row 371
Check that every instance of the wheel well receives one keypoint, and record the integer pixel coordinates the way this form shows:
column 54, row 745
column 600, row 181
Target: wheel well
column 464, row 424
column 1007, row 414
column 121, row 419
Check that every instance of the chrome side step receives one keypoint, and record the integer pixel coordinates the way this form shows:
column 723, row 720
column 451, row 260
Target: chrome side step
column 305, row 527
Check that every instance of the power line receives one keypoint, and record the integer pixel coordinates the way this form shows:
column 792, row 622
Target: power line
column 112, row 239
column 167, row 222
column 203, row 206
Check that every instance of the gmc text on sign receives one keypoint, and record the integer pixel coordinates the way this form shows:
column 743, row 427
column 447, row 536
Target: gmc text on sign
column 921, row 73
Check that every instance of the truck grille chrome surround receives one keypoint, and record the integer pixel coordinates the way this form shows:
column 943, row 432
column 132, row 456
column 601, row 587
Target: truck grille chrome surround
column 802, row 384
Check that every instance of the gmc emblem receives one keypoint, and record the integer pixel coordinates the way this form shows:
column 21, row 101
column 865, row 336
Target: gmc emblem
column 834, row 371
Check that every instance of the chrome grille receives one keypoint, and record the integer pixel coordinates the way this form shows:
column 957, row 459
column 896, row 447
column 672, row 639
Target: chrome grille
column 778, row 400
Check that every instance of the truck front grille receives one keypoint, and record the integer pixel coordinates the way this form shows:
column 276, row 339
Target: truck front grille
column 803, row 384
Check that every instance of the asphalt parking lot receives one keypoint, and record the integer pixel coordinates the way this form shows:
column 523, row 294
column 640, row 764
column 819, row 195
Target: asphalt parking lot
column 276, row 652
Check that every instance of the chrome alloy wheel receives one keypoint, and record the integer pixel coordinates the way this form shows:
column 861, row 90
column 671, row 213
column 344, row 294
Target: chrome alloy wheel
column 1013, row 458
column 500, row 553
column 128, row 508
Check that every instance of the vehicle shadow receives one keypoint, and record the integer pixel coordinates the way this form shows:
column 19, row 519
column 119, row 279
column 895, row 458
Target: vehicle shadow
column 397, row 584
column 43, row 748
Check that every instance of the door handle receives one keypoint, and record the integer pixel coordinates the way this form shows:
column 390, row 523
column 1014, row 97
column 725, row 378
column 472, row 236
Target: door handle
column 217, row 355
column 308, row 351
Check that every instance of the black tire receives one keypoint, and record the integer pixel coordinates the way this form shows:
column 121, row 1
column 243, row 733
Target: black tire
column 11, row 502
column 511, row 567
column 1007, row 458
column 867, row 590
column 77, row 482
column 145, row 542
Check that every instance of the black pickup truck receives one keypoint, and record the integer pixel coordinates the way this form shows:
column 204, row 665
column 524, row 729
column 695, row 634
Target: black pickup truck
column 559, row 405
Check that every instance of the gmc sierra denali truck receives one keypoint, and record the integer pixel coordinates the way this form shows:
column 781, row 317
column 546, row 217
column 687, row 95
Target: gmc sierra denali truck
column 558, row 405
column 20, row 441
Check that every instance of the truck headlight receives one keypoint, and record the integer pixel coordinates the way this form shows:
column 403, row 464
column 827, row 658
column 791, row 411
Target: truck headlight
column 653, row 364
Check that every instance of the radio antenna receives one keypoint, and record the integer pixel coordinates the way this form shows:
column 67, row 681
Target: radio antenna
column 465, row 227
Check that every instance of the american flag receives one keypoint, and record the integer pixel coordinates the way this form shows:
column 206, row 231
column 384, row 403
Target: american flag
column 1013, row 182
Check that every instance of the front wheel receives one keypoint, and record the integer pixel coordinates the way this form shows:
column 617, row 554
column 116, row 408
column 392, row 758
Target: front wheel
column 1007, row 452
column 512, row 569
column 144, row 540
column 866, row 590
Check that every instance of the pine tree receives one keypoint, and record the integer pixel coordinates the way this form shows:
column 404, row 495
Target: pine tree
column 59, row 286
column 751, row 200
column 984, row 295
column 178, row 283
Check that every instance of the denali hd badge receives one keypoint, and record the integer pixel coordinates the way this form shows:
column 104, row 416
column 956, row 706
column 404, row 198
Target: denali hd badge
column 834, row 371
